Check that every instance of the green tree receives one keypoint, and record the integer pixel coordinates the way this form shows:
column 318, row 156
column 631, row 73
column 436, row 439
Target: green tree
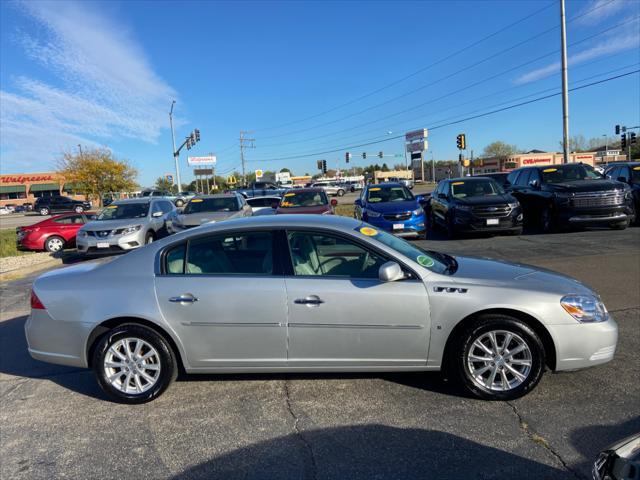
column 499, row 149
column 96, row 172
column 165, row 185
column 282, row 170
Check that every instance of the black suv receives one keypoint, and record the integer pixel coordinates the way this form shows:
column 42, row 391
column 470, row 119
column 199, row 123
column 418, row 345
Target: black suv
column 629, row 173
column 58, row 203
column 474, row 204
column 574, row 194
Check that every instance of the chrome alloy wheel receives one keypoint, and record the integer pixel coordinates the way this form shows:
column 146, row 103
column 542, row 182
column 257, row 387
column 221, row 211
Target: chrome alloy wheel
column 132, row 365
column 499, row 360
column 55, row 244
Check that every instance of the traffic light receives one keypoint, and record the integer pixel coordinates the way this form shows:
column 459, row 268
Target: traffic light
column 324, row 166
column 364, row 155
column 461, row 142
column 617, row 129
column 460, row 158
column 380, row 154
column 632, row 138
column 623, row 141
column 197, row 132
column 347, row 157
column 319, row 164
column 189, row 143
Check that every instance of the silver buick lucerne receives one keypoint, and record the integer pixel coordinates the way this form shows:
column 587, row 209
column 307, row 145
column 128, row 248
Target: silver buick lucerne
column 312, row 293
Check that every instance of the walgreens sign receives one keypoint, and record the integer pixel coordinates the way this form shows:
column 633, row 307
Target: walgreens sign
column 25, row 178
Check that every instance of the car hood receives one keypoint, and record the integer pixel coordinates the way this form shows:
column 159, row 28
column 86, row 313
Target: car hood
column 304, row 210
column 486, row 200
column 195, row 219
column 97, row 225
column 393, row 207
column 584, row 186
column 490, row 272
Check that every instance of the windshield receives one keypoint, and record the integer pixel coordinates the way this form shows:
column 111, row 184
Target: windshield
column 303, row 199
column 476, row 188
column 388, row 194
column 220, row 204
column 433, row 261
column 569, row 173
column 123, row 211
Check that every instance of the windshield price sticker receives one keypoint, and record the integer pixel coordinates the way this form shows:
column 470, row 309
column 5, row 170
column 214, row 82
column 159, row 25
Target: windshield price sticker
column 425, row 261
column 368, row 231
column 112, row 206
column 375, row 189
column 457, row 183
column 196, row 200
column 289, row 194
column 549, row 170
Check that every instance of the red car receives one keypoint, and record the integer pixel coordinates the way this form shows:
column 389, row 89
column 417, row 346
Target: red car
column 52, row 234
column 306, row 200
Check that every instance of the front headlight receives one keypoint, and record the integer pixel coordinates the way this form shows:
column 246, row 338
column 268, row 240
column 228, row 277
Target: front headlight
column 83, row 234
column 514, row 205
column 128, row 230
column 585, row 308
column 418, row 211
column 373, row 214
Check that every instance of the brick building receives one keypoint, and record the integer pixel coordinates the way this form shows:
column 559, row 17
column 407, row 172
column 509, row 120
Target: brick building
column 24, row 188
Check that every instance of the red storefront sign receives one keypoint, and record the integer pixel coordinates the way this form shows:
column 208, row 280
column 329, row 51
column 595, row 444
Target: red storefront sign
column 25, row 178
column 531, row 161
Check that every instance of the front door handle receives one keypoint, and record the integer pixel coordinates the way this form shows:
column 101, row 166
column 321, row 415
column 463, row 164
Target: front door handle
column 184, row 298
column 311, row 300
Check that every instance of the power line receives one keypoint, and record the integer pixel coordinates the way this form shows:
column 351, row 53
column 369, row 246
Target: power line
column 469, row 86
column 473, row 117
column 464, row 69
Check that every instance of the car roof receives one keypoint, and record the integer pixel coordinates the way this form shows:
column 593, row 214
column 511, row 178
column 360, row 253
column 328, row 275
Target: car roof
column 385, row 185
column 468, row 179
column 308, row 189
column 126, row 201
column 218, row 195
column 335, row 222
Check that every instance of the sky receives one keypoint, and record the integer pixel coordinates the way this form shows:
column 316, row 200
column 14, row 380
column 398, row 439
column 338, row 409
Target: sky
column 309, row 80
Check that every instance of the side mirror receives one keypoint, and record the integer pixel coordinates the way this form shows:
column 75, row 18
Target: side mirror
column 334, row 202
column 390, row 272
column 534, row 183
column 157, row 214
column 622, row 179
column 358, row 202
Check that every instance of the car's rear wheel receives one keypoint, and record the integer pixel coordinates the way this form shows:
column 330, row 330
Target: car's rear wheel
column 340, row 192
column 179, row 202
column 44, row 211
column 133, row 364
column 499, row 358
column 54, row 244
column 79, row 209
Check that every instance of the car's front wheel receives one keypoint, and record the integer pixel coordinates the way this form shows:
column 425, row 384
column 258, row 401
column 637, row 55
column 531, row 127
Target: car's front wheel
column 149, row 238
column 44, row 211
column 179, row 202
column 340, row 193
column 79, row 209
column 54, row 244
column 133, row 364
column 499, row 358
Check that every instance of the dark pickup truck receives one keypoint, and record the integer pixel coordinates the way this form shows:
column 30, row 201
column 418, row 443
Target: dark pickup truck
column 571, row 195
column 261, row 189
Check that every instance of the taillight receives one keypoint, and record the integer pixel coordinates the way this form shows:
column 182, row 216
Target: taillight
column 36, row 304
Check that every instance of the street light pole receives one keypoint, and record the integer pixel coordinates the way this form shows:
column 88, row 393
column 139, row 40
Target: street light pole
column 565, row 94
column 606, row 148
column 175, row 152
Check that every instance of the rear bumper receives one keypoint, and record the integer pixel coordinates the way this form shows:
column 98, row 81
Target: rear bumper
column 56, row 341
column 583, row 345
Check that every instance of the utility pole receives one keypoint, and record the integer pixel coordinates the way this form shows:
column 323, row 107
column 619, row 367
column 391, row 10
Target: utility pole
column 80, row 150
column 243, row 141
column 565, row 94
column 175, row 152
column 433, row 168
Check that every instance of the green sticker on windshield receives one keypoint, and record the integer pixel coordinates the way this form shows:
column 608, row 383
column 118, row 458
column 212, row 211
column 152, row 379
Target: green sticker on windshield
column 425, row 261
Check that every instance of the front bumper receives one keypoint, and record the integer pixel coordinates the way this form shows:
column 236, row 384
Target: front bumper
column 468, row 222
column 56, row 341
column 596, row 215
column 412, row 227
column 582, row 345
column 111, row 243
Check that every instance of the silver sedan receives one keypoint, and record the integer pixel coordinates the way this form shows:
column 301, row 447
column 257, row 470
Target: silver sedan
column 312, row 293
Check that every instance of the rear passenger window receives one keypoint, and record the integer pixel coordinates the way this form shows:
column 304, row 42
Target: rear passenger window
column 523, row 179
column 512, row 177
column 233, row 254
column 174, row 259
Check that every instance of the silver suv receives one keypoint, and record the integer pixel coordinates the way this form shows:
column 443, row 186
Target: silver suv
column 331, row 188
column 125, row 225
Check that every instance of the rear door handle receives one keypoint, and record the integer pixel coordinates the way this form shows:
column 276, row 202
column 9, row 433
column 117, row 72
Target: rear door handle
column 184, row 298
column 312, row 300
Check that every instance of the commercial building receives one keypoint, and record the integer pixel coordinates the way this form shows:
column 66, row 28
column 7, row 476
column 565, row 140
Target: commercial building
column 535, row 157
column 24, row 188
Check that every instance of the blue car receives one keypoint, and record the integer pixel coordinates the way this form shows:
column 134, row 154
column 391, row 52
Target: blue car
column 392, row 207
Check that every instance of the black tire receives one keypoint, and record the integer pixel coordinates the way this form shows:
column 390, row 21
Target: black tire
column 502, row 323
column 620, row 225
column 432, row 221
column 78, row 209
column 54, row 244
column 340, row 193
column 167, row 361
column 516, row 231
column 149, row 238
column 44, row 211
column 547, row 224
column 179, row 202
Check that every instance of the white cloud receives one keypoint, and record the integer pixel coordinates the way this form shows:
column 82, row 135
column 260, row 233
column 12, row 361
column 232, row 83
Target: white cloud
column 105, row 88
column 596, row 11
column 618, row 41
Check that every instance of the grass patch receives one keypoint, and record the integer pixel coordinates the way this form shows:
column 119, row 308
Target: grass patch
column 8, row 243
column 345, row 210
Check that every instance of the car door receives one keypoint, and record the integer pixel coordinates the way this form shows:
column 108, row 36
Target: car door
column 437, row 201
column 68, row 226
column 225, row 299
column 342, row 315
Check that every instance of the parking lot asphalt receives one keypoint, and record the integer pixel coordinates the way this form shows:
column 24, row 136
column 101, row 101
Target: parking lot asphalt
column 56, row 423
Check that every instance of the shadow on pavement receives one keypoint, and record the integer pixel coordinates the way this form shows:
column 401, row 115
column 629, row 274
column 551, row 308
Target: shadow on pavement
column 370, row 452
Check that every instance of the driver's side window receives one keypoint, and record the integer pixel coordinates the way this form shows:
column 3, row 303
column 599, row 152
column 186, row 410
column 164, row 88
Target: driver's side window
column 319, row 254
